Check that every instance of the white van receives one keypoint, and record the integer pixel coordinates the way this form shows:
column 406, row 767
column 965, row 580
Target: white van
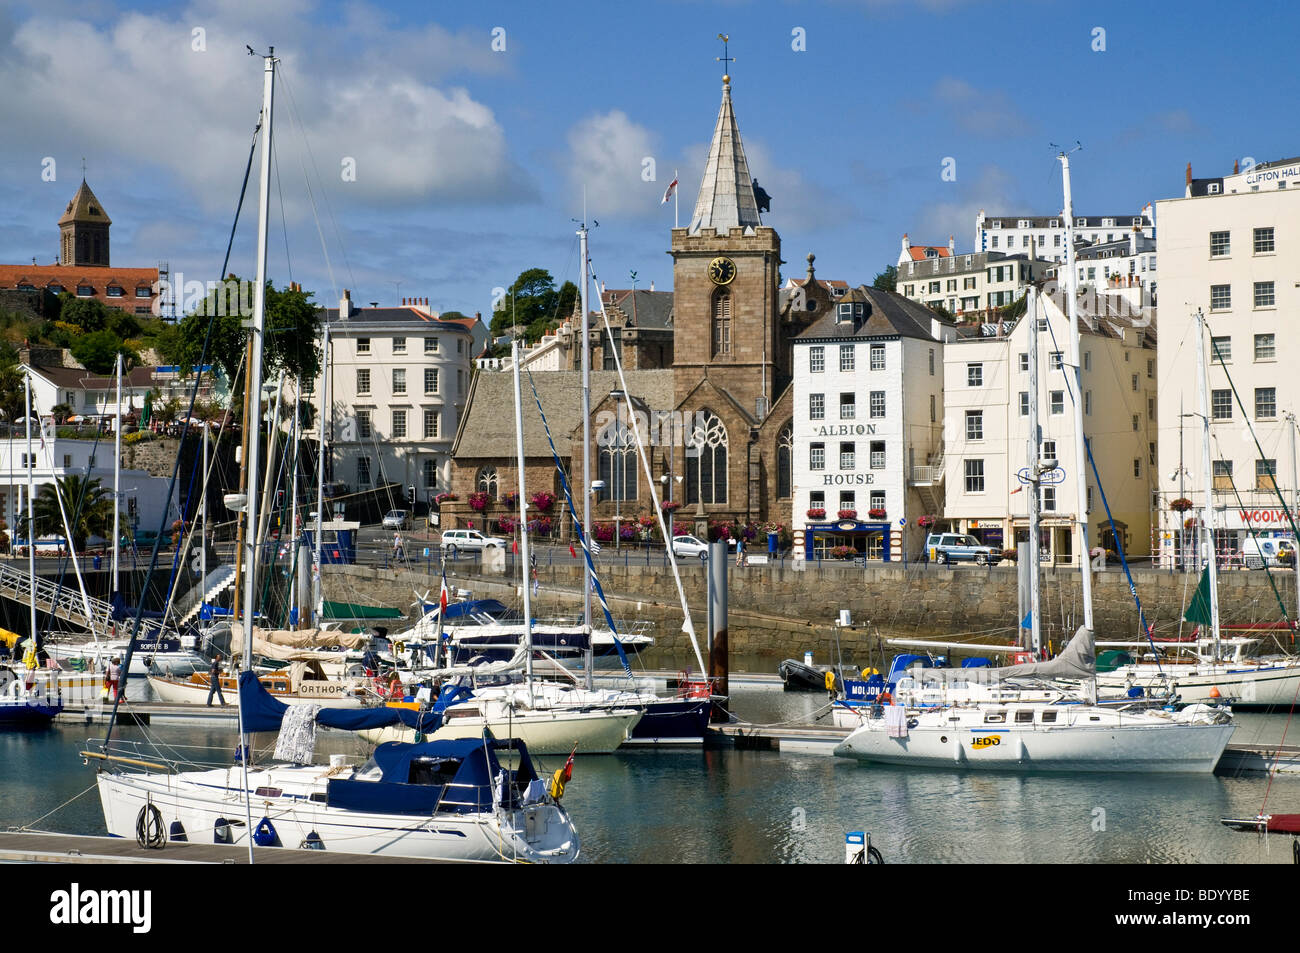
column 1260, row 552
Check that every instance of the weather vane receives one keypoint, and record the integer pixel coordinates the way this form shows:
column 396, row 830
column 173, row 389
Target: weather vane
column 724, row 59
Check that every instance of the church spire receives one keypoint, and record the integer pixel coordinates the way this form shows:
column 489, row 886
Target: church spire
column 726, row 198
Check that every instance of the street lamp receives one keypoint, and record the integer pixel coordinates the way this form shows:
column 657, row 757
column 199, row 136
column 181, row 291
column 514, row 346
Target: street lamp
column 617, row 472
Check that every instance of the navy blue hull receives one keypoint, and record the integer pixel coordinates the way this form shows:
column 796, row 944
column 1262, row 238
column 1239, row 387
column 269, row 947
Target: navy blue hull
column 27, row 717
column 673, row 721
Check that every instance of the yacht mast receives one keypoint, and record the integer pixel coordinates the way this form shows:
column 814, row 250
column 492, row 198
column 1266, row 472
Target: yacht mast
column 1207, row 517
column 117, row 475
column 1034, row 449
column 1081, row 452
column 31, row 509
column 586, row 453
column 320, row 467
column 523, row 518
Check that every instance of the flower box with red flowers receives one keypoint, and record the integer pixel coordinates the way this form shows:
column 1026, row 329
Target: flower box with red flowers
column 817, row 514
column 876, row 514
column 478, row 501
column 925, row 522
column 848, row 514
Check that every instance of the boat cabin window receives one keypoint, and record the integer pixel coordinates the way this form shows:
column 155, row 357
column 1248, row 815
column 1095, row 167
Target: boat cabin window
column 1048, row 717
column 267, row 792
column 994, row 717
column 1094, row 717
column 437, row 771
column 1023, row 717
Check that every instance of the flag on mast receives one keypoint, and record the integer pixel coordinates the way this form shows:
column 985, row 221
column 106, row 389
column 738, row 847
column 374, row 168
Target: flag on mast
column 668, row 192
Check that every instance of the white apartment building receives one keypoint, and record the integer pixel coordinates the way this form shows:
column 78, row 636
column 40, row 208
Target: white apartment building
column 1126, row 266
column 145, row 502
column 1043, row 236
column 397, row 379
column 868, row 406
column 986, row 427
column 1233, row 252
column 970, row 286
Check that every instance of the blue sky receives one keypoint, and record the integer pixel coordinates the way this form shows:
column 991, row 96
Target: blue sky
column 471, row 162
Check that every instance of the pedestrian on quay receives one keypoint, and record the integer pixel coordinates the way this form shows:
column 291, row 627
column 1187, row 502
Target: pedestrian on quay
column 113, row 677
column 214, row 681
column 397, row 547
column 740, row 551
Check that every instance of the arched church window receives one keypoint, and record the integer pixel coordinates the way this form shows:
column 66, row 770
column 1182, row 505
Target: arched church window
column 487, row 481
column 616, row 462
column 784, row 455
column 706, row 460
column 722, row 324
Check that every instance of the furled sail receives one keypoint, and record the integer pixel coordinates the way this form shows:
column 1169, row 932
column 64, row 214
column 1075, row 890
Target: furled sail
column 1077, row 660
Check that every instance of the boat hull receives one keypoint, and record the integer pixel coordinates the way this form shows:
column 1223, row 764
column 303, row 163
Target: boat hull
column 672, row 722
column 544, row 731
column 200, row 799
column 1264, row 686
column 1115, row 747
column 176, row 692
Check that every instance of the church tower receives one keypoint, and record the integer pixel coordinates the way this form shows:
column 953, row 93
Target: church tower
column 725, row 267
column 83, row 230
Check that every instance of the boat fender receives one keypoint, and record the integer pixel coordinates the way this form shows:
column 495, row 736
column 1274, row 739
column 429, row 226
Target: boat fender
column 830, row 681
column 264, row 835
column 177, row 832
column 149, row 832
column 312, row 842
column 221, row 833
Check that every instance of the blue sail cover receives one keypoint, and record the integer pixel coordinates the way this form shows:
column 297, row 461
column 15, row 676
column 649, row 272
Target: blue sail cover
column 262, row 712
column 120, row 610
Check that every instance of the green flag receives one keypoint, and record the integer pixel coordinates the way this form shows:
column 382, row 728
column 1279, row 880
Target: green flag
column 1198, row 610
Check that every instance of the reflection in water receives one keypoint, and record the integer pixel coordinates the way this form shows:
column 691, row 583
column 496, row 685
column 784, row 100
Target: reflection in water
column 692, row 806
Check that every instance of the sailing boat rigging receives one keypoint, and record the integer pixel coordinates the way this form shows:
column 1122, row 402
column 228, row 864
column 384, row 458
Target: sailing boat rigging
column 450, row 800
column 1062, row 735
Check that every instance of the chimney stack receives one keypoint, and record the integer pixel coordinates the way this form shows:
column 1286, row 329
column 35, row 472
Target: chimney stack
column 1236, row 167
column 345, row 304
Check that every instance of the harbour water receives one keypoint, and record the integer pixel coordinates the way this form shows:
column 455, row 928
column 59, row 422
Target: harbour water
column 727, row 806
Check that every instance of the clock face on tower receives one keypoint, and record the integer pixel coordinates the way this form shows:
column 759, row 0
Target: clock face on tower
column 722, row 271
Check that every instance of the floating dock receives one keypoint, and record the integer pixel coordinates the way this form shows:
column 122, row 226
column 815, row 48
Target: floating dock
column 41, row 848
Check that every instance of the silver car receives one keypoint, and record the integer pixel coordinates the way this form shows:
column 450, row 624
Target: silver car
column 397, row 519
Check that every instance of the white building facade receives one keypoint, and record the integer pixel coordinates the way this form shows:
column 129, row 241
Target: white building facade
column 396, row 385
column 986, row 423
column 868, row 405
column 970, row 286
column 1233, row 253
column 1043, row 236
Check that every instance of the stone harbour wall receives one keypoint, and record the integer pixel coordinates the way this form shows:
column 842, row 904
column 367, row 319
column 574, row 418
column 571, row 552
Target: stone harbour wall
column 777, row 612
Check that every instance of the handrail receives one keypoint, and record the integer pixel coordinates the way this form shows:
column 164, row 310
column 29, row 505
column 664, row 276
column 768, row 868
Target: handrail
column 63, row 600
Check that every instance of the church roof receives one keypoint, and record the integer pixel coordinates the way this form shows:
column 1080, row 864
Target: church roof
column 488, row 429
column 653, row 309
column 84, row 207
column 726, row 198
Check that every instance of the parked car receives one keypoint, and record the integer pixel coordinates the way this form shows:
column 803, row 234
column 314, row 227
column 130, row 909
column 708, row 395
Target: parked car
column 469, row 540
column 397, row 519
column 957, row 547
column 692, row 546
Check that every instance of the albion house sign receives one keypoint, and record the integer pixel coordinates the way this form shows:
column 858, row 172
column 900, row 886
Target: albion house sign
column 844, row 430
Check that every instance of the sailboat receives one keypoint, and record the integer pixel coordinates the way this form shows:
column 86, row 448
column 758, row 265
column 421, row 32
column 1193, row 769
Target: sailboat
column 1069, row 734
column 1247, row 682
column 443, row 799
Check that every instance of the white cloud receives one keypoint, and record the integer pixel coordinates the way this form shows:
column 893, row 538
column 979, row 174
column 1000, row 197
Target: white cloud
column 991, row 189
column 137, row 92
column 980, row 112
column 606, row 158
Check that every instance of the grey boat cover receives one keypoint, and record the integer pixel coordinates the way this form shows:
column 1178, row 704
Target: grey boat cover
column 1077, row 660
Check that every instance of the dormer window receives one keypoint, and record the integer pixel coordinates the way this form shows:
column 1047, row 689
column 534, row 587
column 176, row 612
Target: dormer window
column 1213, row 188
column 1056, row 223
column 931, row 253
column 85, row 291
column 26, row 287
column 115, row 292
column 997, row 224
column 845, row 312
column 857, row 310
column 1080, row 223
column 1023, row 223
column 55, row 288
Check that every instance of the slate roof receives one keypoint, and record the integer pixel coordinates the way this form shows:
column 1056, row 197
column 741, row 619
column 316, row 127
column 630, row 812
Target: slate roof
column 889, row 314
column 362, row 317
column 653, row 309
column 84, row 207
column 726, row 199
column 488, row 427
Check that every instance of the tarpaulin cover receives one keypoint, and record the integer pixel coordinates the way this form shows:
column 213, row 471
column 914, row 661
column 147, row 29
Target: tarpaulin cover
column 263, row 712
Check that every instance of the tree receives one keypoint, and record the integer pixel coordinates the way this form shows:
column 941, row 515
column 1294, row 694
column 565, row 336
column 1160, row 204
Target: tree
column 887, row 280
column 291, row 342
column 533, row 304
column 942, row 312
column 86, row 314
column 98, row 352
column 89, row 507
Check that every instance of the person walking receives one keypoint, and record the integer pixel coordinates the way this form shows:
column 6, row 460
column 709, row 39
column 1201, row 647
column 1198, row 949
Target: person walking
column 397, row 547
column 740, row 551
column 113, row 677
column 214, row 681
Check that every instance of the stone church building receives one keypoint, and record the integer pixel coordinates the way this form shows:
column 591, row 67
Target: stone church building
column 714, row 408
